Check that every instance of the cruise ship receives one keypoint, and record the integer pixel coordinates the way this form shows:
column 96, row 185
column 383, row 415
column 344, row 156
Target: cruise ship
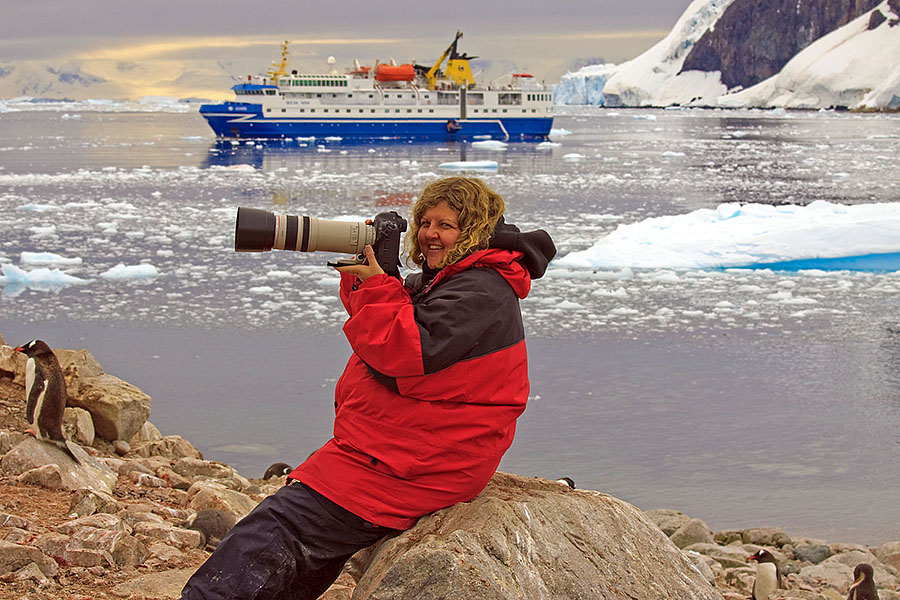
column 385, row 101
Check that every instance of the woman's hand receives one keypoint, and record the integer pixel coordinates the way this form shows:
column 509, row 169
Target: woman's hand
column 364, row 271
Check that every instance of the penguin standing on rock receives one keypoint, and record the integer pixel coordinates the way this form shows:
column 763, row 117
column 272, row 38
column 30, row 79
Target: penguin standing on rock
column 768, row 576
column 45, row 395
column 863, row 587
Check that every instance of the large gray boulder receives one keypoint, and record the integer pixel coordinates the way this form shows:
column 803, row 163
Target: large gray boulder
column 533, row 538
column 34, row 455
column 118, row 408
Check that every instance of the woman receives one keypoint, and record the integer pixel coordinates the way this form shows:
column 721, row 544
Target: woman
column 424, row 410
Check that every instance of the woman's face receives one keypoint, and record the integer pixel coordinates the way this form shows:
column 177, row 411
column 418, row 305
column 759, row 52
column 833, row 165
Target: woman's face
column 438, row 232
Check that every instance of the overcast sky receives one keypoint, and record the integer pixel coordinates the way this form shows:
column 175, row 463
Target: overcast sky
column 548, row 33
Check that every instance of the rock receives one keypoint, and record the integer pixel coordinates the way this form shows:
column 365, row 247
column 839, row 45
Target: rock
column 7, row 520
column 32, row 572
column 208, row 494
column 88, row 502
column 147, row 433
column 830, row 574
column 144, row 480
column 31, row 454
column 727, row 536
column 69, row 552
column 212, row 524
column 118, row 408
column 14, row 556
column 173, row 536
column 814, row 553
column 121, row 447
column 706, row 565
column 5, row 442
column 78, row 426
column 729, row 557
column 889, row 554
column 13, row 362
column 765, row 536
column 753, row 40
column 533, row 538
column 165, row 584
column 667, row 519
column 170, row 446
column 104, row 521
column 174, row 479
column 45, row 476
column 194, row 467
column 694, row 531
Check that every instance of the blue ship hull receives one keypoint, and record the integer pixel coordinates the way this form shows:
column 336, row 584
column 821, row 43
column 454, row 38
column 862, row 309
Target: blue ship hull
column 246, row 120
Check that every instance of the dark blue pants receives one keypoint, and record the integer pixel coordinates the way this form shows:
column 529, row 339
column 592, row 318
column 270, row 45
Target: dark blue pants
column 292, row 546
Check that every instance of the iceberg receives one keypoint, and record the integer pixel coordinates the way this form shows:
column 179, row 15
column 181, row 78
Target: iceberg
column 821, row 235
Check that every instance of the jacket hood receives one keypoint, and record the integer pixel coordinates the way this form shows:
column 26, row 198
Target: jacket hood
column 537, row 247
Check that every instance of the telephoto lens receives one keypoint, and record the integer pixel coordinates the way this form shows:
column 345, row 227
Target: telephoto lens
column 259, row 230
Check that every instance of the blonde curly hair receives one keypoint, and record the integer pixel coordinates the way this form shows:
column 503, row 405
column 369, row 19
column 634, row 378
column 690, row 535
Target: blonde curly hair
column 479, row 208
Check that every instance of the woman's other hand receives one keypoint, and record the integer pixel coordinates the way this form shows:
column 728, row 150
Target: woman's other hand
column 364, row 271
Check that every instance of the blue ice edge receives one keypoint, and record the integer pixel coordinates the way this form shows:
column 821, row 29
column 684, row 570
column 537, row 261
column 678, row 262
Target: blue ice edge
column 866, row 262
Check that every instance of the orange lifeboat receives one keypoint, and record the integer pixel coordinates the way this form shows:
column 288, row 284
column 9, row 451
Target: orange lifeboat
column 395, row 73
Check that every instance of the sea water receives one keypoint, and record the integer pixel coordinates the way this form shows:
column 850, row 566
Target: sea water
column 746, row 398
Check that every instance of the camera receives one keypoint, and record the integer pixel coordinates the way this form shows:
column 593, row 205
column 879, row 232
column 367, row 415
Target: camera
column 259, row 230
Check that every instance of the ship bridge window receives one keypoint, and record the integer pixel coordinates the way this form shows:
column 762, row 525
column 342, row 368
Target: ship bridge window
column 508, row 99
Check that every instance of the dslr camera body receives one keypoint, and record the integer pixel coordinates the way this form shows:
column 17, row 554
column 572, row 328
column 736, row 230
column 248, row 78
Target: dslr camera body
column 260, row 230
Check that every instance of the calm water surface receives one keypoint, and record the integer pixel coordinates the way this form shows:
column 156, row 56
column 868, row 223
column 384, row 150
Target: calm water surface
column 701, row 391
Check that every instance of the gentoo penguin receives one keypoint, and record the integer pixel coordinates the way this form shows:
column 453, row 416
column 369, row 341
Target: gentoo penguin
column 212, row 524
column 768, row 576
column 566, row 480
column 863, row 587
column 278, row 470
column 45, row 394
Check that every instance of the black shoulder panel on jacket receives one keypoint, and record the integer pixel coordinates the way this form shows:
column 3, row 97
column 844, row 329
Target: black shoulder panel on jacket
column 470, row 314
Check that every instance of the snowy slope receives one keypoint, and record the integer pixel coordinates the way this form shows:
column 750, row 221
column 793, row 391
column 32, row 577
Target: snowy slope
column 852, row 66
column 650, row 79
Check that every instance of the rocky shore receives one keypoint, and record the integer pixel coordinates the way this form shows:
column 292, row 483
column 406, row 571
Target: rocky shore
column 142, row 510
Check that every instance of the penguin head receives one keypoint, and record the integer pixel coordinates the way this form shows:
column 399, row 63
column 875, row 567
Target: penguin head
column 35, row 348
column 763, row 556
column 566, row 480
column 863, row 572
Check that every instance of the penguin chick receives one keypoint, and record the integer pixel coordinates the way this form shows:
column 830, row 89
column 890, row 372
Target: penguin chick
column 768, row 575
column 278, row 470
column 212, row 524
column 863, row 587
column 566, row 480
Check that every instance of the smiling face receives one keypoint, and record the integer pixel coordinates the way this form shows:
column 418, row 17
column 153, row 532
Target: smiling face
column 438, row 232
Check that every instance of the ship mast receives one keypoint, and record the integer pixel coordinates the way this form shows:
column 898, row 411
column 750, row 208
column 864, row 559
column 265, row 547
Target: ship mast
column 279, row 69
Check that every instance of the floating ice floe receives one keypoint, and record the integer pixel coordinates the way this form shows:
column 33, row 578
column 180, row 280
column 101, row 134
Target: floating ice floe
column 47, row 258
column 548, row 145
column 122, row 272
column 495, row 145
column 16, row 280
column 475, row 165
column 821, row 235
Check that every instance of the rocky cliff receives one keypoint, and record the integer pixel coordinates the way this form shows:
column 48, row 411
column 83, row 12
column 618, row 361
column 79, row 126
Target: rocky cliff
column 754, row 39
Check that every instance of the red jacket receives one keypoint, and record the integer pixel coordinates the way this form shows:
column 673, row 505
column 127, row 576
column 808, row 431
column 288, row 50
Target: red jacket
column 428, row 402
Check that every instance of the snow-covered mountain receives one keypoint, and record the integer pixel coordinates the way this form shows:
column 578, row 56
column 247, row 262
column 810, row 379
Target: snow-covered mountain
column 855, row 63
column 86, row 79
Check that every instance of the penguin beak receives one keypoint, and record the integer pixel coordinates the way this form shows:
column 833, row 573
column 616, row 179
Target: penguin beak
column 19, row 349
